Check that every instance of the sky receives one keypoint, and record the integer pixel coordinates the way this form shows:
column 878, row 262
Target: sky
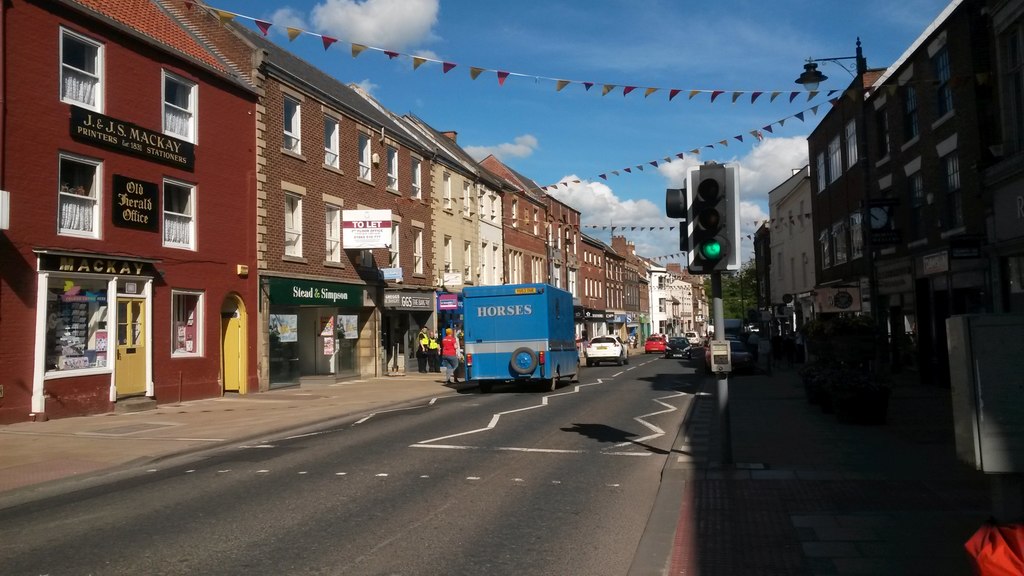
column 609, row 151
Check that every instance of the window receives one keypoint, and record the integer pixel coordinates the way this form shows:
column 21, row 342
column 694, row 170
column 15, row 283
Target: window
column 365, row 157
column 954, row 197
column 822, row 175
column 417, row 179
column 417, row 251
column 292, row 225
column 292, row 125
column 393, row 261
column 392, row 169
column 77, row 335
column 943, row 91
column 447, row 187
column 467, row 261
column 826, row 249
column 179, row 107
column 835, row 160
column 447, row 253
column 536, row 221
column 331, row 157
column 1012, row 44
column 856, row 236
column 78, row 197
column 851, row 143
column 466, row 199
column 515, row 213
column 81, row 71
column 882, row 133
column 332, row 217
column 910, row 128
column 917, row 206
column 186, row 338
column 839, row 241
column 179, row 215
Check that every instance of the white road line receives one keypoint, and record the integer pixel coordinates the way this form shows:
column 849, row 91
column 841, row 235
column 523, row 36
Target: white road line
column 530, row 450
column 657, row 431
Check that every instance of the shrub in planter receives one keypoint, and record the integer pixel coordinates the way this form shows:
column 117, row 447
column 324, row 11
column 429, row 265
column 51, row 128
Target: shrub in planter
column 816, row 376
column 859, row 397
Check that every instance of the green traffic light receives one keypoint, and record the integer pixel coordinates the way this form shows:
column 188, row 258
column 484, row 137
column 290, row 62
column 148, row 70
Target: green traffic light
column 711, row 250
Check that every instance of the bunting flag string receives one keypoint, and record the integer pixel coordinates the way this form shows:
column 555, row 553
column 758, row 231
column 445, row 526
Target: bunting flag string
column 502, row 75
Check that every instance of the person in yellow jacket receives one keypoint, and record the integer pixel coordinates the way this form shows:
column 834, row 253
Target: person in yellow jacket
column 434, row 352
column 422, row 349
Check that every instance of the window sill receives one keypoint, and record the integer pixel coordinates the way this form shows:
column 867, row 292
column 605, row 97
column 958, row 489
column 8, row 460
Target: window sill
column 55, row 375
column 394, row 191
column 945, row 118
column 365, row 181
column 296, row 155
column 959, row 230
column 882, row 161
column 334, row 169
column 917, row 244
column 332, row 264
column 910, row 143
column 180, row 247
column 296, row 259
column 186, row 355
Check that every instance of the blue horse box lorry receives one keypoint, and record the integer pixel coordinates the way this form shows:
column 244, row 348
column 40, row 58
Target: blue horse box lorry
column 519, row 333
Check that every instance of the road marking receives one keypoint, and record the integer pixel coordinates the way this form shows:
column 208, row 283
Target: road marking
column 260, row 446
column 658, row 432
column 264, row 471
column 382, row 475
column 530, row 450
column 340, row 473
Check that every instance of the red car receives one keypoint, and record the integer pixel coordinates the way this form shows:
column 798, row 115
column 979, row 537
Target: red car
column 655, row 344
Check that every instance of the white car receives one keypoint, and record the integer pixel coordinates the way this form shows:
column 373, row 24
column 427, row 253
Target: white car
column 606, row 349
column 692, row 338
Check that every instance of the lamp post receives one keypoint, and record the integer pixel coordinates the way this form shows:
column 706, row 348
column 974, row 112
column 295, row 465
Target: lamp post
column 810, row 78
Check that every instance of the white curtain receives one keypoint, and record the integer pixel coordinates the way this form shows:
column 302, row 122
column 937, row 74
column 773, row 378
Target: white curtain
column 79, row 87
column 177, row 229
column 177, row 121
column 76, row 213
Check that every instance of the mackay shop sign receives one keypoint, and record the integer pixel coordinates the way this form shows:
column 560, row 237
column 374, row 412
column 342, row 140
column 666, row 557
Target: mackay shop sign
column 365, row 229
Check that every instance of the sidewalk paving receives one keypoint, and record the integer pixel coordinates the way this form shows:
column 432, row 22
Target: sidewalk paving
column 809, row 495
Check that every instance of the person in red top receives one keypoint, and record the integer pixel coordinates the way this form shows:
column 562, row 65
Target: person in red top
column 450, row 356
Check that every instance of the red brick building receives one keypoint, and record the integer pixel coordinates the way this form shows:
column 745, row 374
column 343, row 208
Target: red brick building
column 128, row 154
column 525, row 226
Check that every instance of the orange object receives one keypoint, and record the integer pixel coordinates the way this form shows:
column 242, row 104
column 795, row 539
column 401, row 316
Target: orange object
column 997, row 550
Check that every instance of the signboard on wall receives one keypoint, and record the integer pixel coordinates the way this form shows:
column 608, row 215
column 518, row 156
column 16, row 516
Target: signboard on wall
column 136, row 204
column 841, row 299
column 365, row 229
column 109, row 132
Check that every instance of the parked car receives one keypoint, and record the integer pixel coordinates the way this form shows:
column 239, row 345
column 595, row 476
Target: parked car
column 655, row 344
column 741, row 358
column 692, row 338
column 677, row 348
column 606, row 349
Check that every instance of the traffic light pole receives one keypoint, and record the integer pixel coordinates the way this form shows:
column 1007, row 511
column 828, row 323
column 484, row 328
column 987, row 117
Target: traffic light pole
column 722, row 378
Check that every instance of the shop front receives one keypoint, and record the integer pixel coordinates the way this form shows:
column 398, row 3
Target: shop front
column 93, row 332
column 595, row 323
column 404, row 313
column 316, row 329
column 449, row 311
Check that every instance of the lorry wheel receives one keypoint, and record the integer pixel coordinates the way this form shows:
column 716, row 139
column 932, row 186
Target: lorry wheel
column 524, row 360
column 485, row 387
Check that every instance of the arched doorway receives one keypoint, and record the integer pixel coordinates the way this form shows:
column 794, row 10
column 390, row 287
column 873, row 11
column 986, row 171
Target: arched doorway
column 233, row 322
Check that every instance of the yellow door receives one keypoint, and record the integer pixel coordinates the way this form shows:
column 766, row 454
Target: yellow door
column 232, row 358
column 130, row 365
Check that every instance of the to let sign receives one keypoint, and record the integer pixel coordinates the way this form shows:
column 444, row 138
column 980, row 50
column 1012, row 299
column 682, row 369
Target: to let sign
column 365, row 229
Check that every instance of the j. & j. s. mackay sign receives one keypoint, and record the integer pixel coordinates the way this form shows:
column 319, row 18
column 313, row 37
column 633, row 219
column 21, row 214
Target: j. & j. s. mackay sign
column 102, row 130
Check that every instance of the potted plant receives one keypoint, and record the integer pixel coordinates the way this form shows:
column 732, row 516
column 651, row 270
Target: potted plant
column 859, row 396
column 814, row 375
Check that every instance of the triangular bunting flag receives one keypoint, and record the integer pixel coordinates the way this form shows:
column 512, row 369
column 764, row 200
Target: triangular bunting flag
column 328, row 41
column 774, row 96
column 754, row 96
column 767, row 128
column 446, row 67
column 640, row 167
column 561, row 84
column 189, row 4
column 693, row 93
column 649, row 91
column 736, row 95
column 739, row 137
column 607, row 88
column 724, row 143
column 391, row 54
column 782, row 123
column 627, row 89
column 602, row 176
column 263, row 26
column 680, row 156
column 628, row 170
column 811, row 95
column 357, row 49
column 695, row 151
column 417, row 61
column 501, row 77
column 715, row 94
column 474, row 72
column 793, row 95
column 672, row 93
column 615, row 172
column 588, row 85
column 814, row 110
column 799, row 116
column 225, row 17
column 293, row 33
column 831, row 92
column 653, row 163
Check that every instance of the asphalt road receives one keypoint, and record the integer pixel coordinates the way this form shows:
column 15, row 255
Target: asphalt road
column 517, row 482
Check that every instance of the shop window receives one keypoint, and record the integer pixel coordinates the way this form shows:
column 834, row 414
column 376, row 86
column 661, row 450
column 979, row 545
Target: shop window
column 81, row 71
column 292, row 125
column 78, row 205
column 76, row 324
column 179, row 107
column 187, row 309
column 179, row 215
column 331, row 142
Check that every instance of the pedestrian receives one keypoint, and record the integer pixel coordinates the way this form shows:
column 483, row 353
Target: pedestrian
column 434, row 352
column 450, row 356
column 789, row 344
column 422, row 349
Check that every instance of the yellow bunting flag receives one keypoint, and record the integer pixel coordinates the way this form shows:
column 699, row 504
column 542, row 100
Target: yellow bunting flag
column 225, row 17
column 357, row 49
column 417, row 62
column 474, row 72
column 293, row 33
column 561, row 84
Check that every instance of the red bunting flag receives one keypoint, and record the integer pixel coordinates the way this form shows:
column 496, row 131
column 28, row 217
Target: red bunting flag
column 627, row 89
column 502, row 75
column 792, row 95
column 391, row 54
column 447, row 66
column 328, row 41
column 263, row 26
column 716, row 94
column 672, row 93
column 754, row 96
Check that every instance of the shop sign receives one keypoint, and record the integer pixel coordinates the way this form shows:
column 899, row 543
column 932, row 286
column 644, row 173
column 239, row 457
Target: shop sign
column 95, row 265
column 937, row 263
column 102, row 130
column 136, row 204
column 895, row 277
column 846, row 299
column 365, row 229
column 578, row 313
column 448, row 302
column 407, row 301
column 297, row 292
column 393, row 274
column 965, row 247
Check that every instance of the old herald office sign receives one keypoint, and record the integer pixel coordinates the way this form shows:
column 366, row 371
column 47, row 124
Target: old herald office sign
column 136, row 204
column 101, row 130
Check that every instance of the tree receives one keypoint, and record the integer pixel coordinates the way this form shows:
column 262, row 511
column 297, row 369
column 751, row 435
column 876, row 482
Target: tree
column 739, row 291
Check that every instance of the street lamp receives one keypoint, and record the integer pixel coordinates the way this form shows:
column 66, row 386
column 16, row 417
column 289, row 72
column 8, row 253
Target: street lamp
column 810, row 78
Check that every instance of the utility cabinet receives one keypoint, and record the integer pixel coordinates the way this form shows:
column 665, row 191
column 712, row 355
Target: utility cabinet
column 986, row 364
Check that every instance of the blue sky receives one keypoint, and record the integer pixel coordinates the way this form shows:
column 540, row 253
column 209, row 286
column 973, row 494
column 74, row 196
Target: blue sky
column 572, row 134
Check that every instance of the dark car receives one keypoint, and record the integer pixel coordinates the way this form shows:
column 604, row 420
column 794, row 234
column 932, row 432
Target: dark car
column 677, row 348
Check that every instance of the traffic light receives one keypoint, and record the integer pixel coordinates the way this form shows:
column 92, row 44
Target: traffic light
column 713, row 219
column 675, row 207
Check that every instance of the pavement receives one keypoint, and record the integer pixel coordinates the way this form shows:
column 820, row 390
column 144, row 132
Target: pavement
column 801, row 493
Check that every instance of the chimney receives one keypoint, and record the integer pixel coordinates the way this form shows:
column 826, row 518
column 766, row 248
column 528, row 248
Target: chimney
column 674, row 267
column 451, row 135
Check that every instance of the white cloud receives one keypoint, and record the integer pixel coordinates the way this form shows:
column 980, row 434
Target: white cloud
column 367, row 86
column 520, row 147
column 390, row 24
column 287, row 17
column 769, row 164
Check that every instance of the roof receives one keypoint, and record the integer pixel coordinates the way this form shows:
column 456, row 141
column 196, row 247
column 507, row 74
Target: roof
column 939, row 20
column 456, row 152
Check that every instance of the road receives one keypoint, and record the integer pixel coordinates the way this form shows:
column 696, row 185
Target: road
column 514, row 482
